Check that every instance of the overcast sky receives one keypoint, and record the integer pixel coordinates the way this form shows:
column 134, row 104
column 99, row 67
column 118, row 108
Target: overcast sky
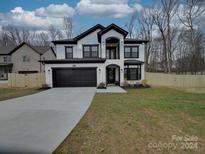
column 39, row 14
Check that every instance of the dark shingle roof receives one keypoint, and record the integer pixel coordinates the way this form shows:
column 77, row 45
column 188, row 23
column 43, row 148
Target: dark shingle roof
column 115, row 27
column 82, row 35
column 133, row 62
column 75, row 60
column 134, row 41
column 5, row 50
column 41, row 49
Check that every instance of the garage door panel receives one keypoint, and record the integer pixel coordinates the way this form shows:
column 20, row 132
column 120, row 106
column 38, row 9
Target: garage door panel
column 74, row 77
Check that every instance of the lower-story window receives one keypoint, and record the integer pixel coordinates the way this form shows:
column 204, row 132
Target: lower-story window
column 133, row 73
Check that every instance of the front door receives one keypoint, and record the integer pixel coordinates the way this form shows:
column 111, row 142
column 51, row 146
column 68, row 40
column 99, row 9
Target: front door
column 110, row 75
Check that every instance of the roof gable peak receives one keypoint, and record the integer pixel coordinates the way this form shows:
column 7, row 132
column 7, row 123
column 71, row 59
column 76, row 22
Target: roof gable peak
column 89, row 31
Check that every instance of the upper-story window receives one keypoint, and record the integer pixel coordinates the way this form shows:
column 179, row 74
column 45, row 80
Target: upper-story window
column 131, row 51
column 69, row 52
column 25, row 58
column 5, row 59
column 90, row 51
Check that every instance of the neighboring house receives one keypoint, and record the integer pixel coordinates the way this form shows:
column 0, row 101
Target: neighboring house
column 99, row 55
column 5, row 61
column 24, row 59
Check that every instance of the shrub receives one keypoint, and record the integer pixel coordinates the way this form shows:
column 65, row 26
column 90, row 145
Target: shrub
column 126, row 84
column 102, row 85
column 144, row 83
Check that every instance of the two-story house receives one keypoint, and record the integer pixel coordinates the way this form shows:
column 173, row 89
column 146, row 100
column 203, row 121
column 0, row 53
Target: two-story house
column 98, row 55
column 23, row 59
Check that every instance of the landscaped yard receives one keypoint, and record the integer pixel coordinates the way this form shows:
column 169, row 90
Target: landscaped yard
column 139, row 121
column 8, row 93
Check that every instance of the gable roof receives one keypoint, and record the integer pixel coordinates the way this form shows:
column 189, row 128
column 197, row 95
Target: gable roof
column 112, row 26
column 44, row 49
column 82, row 35
column 87, row 32
column 5, row 50
column 100, row 33
column 38, row 49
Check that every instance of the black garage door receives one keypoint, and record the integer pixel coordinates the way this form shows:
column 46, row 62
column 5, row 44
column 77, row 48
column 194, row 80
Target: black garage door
column 74, row 77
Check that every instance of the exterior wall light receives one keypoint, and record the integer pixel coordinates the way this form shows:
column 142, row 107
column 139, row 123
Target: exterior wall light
column 49, row 71
column 99, row 70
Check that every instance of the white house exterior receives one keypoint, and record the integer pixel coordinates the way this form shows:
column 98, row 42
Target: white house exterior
column 99, row 55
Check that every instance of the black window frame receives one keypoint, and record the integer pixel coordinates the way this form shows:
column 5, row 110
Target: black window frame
column 131, row 48
column 66, row 52
column 90, row 47
column 138, row 76
column 5, row 59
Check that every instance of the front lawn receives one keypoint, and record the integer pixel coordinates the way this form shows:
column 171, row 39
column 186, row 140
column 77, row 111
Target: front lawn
column 141, row 121
column 8, row 93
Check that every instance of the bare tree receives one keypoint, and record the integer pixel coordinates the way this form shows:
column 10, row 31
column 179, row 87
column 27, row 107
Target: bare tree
column 145, row 27
column 131, row 25
column 54, row 33
column 163, row 18
column 13, row 33
column 41, row 39
column 5, row 40
column 68, row 26
column 189, row 16
column 160, row 21
column 25, row 35
column 16, row 34
column 44, row 38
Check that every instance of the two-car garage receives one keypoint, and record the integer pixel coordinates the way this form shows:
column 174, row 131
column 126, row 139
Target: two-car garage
column 76, row 72
column 74, row 77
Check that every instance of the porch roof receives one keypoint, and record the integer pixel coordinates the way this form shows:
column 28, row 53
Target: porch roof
column 75, row 60
column 6, row 64
column 133, row 62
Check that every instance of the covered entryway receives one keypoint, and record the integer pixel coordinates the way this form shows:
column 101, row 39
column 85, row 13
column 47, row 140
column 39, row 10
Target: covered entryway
column 74, row 77
column 113, row 74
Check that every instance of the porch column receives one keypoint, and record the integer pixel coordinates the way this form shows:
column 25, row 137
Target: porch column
column 121, row 75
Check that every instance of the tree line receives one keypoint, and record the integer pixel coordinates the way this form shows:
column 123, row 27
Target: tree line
column 14, row 35
column 176, row 40
column 173, row 28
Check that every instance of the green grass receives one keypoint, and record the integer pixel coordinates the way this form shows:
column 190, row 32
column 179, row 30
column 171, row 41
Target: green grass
column 127, row 123
column 8, row 93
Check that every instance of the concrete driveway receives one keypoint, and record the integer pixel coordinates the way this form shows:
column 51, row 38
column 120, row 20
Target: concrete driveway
column 39, row 123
